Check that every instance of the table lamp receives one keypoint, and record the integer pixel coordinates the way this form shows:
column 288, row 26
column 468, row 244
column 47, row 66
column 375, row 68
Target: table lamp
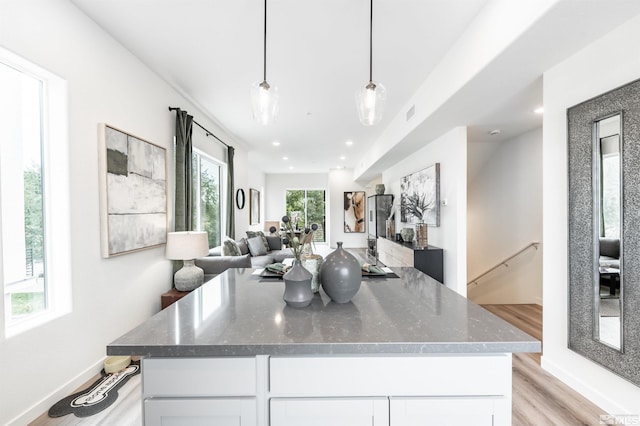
column 187, row 246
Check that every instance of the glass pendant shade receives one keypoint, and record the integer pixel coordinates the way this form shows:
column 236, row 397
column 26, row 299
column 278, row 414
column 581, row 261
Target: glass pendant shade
column 370, row 102
column 264, row 100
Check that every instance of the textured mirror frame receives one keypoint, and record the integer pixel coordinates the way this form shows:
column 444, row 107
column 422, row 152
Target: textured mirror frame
column 580, row 126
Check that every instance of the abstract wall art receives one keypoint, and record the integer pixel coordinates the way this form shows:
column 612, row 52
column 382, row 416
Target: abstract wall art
column 254, row 206
column 133, row 192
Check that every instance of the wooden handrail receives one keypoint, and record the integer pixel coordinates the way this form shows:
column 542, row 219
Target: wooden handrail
column 503, row 263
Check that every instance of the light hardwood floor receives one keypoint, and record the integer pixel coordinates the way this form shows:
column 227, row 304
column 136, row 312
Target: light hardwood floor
column 538, row 397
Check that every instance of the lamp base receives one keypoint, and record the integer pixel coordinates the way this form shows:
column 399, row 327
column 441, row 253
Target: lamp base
column 189, row 277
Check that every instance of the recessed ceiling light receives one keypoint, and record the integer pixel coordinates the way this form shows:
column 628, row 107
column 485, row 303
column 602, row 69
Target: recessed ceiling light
column 275, row 143
column 290, row 167
column 348, row 143
column 494, row 132
column 285, row 158
column 343, row 157
column 539, row 110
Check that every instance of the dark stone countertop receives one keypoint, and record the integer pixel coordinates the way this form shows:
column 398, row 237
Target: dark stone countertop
column 239, row 314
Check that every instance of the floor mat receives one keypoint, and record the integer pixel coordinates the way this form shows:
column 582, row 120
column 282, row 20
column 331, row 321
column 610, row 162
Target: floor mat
column 100, row 395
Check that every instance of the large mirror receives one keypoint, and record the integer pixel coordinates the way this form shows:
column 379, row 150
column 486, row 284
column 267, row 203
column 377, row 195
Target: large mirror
column 604, row 230
column 607, row 214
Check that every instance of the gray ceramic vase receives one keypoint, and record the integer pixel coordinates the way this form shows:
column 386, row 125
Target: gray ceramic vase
column 380, row 188
column 407, row 234
column 297, row 286
column 340, row 275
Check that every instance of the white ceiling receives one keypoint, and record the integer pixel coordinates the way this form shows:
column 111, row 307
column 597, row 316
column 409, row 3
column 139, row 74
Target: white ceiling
column 317, row 55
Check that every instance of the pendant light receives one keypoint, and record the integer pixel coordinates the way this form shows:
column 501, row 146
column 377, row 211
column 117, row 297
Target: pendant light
column 264, row 97
column 370, row 98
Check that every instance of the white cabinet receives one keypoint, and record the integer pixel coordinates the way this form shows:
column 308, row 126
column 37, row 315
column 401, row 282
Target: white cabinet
column 438, row 389
column 329, row 412
column 200, row 391
column 460, row 411
column 394, row 254
column 200, row 412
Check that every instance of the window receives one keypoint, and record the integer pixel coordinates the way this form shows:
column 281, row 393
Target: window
column 207, row 188
column 306, row 207
column 34, row 198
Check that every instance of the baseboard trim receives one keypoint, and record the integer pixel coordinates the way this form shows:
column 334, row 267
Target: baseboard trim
column 68, row 388
column 598, row 398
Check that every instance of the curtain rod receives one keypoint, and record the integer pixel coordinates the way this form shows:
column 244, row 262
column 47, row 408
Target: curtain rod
column 202, row 127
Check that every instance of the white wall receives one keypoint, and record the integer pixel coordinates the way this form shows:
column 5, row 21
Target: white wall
column 254, row 180
column 582, row 76
column 276, row 186
column 504, row 215
column 110, row 296
column 450, row 150
column 335, row 183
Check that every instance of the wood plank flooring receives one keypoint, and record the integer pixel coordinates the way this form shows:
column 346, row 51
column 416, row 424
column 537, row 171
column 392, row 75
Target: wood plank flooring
column 538, row 398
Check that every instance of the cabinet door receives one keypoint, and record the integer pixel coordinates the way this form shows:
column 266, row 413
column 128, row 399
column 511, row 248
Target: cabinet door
column 329, row 411
column 444, row 411
column 199, row 412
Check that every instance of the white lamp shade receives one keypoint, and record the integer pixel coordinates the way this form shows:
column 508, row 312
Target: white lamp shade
column 186, row 245
column 370, row 101
column 264, row 101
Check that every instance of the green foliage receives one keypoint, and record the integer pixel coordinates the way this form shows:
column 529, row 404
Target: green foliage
column 33, row 212
column 210, row 193
column 209, row 204
column 314, row 206
column 26, row 303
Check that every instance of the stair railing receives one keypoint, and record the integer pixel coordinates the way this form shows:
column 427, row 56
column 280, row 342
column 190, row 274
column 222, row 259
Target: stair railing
column 503, row 263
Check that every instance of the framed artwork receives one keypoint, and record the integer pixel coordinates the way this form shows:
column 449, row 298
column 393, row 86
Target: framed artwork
column 420, row 196
column 133, row 192
column 254, row 206
column 354, row 211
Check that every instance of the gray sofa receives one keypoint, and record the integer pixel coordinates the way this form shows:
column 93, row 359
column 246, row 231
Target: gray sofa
column 610, row 252
column 219, row 260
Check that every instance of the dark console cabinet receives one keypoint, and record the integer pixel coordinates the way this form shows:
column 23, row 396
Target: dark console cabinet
column 430, row 261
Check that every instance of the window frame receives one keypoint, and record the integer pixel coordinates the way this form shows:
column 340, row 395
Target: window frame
column 56, row 199
column 222, row 195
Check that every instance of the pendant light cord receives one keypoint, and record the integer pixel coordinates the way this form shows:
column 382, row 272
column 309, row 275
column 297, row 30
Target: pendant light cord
column 370, row 42
column 265, row 43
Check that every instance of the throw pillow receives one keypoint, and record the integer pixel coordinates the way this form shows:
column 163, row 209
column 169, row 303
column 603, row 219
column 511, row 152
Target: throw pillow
column 251, row 234
column 230, row 248
column 256, row 246
column 244, row 248
column 275, row 243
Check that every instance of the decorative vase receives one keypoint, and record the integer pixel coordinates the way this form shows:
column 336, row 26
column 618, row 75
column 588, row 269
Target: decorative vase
column 311, row 263
column 297, row 286
column 340, row 275
column 391, row 228
column 380, row 189
column 406, row 234
column 422, row 240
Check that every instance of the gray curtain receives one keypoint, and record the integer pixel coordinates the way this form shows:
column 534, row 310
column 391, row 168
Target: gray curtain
column 184, row 181
column 231, row 223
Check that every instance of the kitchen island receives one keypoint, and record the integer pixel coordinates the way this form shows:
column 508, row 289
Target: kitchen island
column 405, row 351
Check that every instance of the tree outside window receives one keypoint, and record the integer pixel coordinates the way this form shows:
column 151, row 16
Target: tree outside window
column 306, row 207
